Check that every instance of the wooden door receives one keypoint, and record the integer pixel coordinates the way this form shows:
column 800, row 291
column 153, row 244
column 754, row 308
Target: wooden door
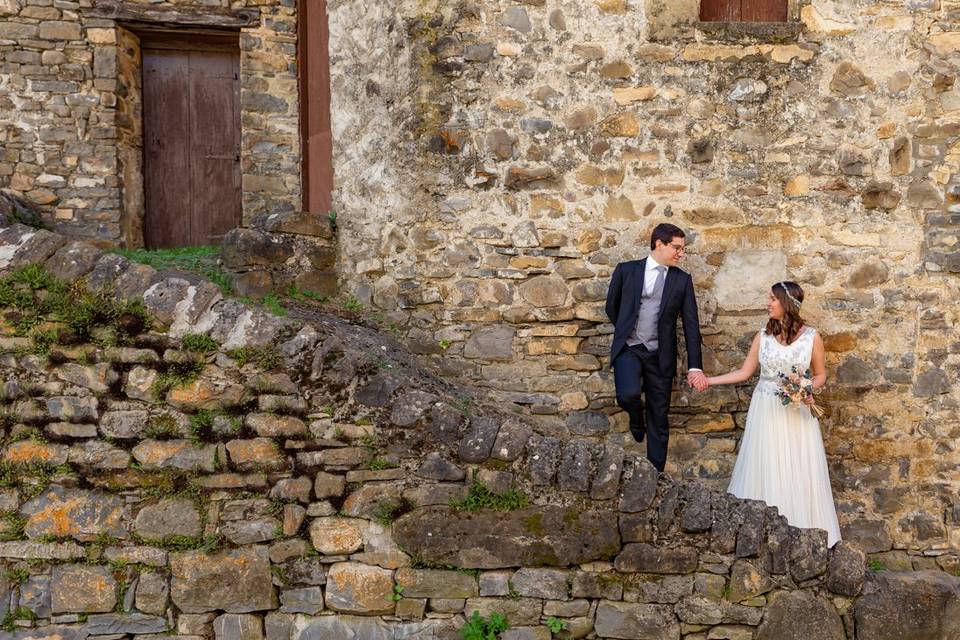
column 743, row 10
column 191, row 129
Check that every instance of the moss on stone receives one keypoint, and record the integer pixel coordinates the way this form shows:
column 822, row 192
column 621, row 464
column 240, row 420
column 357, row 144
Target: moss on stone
column 534, row 524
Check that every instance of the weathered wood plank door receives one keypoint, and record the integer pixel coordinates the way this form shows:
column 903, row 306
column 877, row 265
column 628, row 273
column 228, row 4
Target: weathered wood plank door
column 191, row 129
column 743, row 10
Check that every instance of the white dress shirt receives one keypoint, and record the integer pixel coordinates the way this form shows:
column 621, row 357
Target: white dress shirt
column 650, row 280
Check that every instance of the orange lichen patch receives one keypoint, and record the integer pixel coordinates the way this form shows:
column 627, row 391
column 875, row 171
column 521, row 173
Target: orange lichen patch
column 356, row 587
column 257, row 451
column 161, row 451
column 334, row 536
column 31, row 452
column 205, row 394
column 58, row 519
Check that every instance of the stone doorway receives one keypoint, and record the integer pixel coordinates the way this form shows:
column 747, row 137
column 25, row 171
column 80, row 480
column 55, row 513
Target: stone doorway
column 191, row 138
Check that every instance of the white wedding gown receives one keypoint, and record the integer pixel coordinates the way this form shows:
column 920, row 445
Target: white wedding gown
column 781, row 459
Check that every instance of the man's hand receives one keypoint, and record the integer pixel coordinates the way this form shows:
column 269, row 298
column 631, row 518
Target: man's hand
column 698, row 380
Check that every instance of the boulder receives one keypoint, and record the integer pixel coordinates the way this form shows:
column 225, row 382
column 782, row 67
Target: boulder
column 914, row 605
column 801, row 615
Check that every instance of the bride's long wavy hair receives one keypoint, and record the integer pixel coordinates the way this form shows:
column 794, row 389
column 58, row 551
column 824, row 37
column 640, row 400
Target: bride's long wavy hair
column 787, row 327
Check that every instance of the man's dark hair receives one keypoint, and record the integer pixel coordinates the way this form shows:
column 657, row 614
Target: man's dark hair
column 665, row 232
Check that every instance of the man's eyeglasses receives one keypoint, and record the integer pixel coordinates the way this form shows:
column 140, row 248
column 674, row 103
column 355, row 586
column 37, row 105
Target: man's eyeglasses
column 679, row 248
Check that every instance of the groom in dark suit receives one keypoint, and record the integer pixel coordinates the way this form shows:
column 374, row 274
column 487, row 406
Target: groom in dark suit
column 644, row 301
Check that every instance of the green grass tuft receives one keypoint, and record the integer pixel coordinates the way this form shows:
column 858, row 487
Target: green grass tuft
column 199, row 343
column 481, row 497
column 266, row 357
column 199, row 260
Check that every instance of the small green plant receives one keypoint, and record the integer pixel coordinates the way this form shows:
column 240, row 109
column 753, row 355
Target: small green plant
column 397, row 595
column 201, row 425
column 33, row 297
column 162, row 427
column 272, row 304
column 726, row 591
column 463, row 404
column 178, row 374
column 876, row 565
column 556, row 625
column 17, row 576
column 388, row 511
column 444, row 344
column 379, row 464
column 368, row 440
column 199, row 343
column 20, row 613
column 481, row 497
column 479, row 628
column 352, row 304
column 267, row 357
column 104, row 540
column 332, row 217
column 302, row 295
column 42, row 340
column 30, row 433
column 207, row 544
column 512, row 592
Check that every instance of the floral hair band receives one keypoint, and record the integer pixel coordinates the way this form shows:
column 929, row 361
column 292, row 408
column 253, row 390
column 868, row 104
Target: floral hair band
column 787, row 291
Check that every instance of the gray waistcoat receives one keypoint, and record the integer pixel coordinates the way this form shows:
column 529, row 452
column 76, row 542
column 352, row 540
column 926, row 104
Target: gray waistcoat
column 645, row 332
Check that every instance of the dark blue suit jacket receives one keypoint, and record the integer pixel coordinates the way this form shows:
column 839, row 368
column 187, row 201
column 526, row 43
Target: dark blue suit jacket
column 623, row 307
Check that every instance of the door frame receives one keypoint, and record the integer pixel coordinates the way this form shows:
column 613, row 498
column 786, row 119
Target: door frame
column 316, row 138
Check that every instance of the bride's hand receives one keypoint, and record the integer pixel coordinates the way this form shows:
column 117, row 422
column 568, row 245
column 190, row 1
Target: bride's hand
column 697, row 380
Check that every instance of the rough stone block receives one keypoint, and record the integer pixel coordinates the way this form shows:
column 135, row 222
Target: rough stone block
column 82, row 589
column 236, row 581
column 359, row 588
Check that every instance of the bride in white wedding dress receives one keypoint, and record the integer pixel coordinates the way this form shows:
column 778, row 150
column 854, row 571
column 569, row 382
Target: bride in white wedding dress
column 782, row 460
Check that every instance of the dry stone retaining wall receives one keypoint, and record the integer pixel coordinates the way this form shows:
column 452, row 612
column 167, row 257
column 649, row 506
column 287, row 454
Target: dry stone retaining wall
column 296, row 482
column 524, row 148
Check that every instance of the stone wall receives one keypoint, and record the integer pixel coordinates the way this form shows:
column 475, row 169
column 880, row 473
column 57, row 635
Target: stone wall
column 175, row 462
column 70, row 113
column 523, row 149
column 495, row 160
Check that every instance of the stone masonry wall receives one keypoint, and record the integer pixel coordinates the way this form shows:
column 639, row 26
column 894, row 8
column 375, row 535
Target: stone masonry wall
column 522, row 149
column 187, row 465
column 68, row 126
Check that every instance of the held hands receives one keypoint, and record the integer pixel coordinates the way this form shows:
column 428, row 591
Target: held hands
column 698, row 380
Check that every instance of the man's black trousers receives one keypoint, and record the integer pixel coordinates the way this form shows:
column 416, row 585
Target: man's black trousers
column 644, row 393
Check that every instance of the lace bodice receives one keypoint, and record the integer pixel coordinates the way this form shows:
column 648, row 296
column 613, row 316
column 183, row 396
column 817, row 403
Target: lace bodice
column 776, row 358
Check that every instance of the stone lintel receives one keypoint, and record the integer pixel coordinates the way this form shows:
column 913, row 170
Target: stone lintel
column 152, row 16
